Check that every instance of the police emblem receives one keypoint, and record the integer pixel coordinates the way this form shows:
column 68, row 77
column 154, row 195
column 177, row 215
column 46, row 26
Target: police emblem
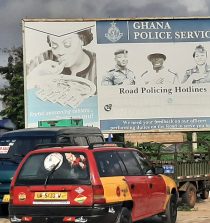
column 113, row 33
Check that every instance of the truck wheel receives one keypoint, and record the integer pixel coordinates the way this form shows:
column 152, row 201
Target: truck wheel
column 204, row 194
column 124, row 216
column 189, row 197
column 171, row 210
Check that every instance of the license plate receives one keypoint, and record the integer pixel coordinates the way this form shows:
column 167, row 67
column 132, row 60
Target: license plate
column 50, row 196
column 6, row 198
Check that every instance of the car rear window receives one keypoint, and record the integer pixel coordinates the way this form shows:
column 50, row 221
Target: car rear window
column 55, row 168
column 95, row 139
column 19, row 146
column 80, row 140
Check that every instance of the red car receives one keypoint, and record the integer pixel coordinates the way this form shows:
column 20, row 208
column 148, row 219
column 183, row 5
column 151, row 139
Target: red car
column 106, row 184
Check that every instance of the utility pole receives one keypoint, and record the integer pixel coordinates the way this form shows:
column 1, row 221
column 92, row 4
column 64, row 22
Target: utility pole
column 194, row 139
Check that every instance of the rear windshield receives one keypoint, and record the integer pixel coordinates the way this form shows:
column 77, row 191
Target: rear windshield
column 95, row 139
column 80, row 140
column 19, row 146
column 55, row 168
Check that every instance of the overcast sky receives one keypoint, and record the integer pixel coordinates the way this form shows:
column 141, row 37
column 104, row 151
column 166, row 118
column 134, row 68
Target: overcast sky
column 12, row 11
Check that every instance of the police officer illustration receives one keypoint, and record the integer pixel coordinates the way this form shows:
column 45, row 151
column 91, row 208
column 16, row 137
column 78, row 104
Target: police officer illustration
column 158, row 74
column 120, row 75
column 201, row 72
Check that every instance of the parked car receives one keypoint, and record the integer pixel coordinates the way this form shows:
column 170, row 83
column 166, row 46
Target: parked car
column 14, row 145
column 97, row 183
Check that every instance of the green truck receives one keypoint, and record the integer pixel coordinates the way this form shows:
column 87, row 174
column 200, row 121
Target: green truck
column 188, row 163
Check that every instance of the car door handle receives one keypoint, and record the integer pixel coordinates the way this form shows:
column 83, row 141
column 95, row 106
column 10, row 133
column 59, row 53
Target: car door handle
column 150, row 186
column 132, row 186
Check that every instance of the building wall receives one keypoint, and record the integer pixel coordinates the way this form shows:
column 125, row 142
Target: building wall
column 155, row 137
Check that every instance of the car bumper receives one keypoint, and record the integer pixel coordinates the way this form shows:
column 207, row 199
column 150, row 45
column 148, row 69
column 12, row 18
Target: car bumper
column 94, row 214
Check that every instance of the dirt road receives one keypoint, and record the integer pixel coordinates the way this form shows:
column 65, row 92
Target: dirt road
column 200, row 214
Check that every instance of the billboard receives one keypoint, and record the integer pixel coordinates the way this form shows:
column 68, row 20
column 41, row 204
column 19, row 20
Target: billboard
column 121, row 75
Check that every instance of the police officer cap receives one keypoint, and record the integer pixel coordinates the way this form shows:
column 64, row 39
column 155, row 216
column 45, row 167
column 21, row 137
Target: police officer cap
column 120, row 51
column 156, row 55
column 199, row 49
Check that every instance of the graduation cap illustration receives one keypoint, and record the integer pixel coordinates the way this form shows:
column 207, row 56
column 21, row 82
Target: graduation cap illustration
column 84, row 33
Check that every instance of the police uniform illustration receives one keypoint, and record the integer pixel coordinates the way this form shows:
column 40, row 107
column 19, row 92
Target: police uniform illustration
column 159, row 74
column 201, row 72
column 164, row 76
column 120, row 74
column 194, row 76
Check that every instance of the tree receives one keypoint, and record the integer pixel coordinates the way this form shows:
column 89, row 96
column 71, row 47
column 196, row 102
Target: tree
column 13, row 95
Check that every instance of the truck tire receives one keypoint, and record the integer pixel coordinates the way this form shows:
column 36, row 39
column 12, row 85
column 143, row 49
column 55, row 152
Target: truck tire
column 204, row 194
column 124, row 216
column 189, row 197
column 170, row 214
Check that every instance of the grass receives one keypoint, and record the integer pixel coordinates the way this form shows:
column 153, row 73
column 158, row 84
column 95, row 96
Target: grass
column 184, row 207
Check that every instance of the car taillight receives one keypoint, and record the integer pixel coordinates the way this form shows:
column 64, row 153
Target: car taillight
column 26, row 218
column 98, row 194
column 69, row 219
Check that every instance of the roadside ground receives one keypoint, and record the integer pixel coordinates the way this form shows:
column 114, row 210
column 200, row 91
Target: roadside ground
column 199, row 214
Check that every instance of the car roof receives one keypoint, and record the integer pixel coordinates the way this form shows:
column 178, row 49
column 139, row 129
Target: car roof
column 64, row 148
column 53, row 131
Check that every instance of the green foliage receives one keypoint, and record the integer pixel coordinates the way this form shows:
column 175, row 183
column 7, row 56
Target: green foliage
column 118, row 137
column 203, row 136
column 185, row 207
column 148, row 147
column 13, row 95
column 129, row 144
column 172, row 151
column 151, row 149
column 203, row 147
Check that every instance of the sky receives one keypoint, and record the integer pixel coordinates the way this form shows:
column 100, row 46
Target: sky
column 13, row 11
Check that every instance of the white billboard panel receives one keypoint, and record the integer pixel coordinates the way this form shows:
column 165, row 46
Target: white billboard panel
column 121, row 75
